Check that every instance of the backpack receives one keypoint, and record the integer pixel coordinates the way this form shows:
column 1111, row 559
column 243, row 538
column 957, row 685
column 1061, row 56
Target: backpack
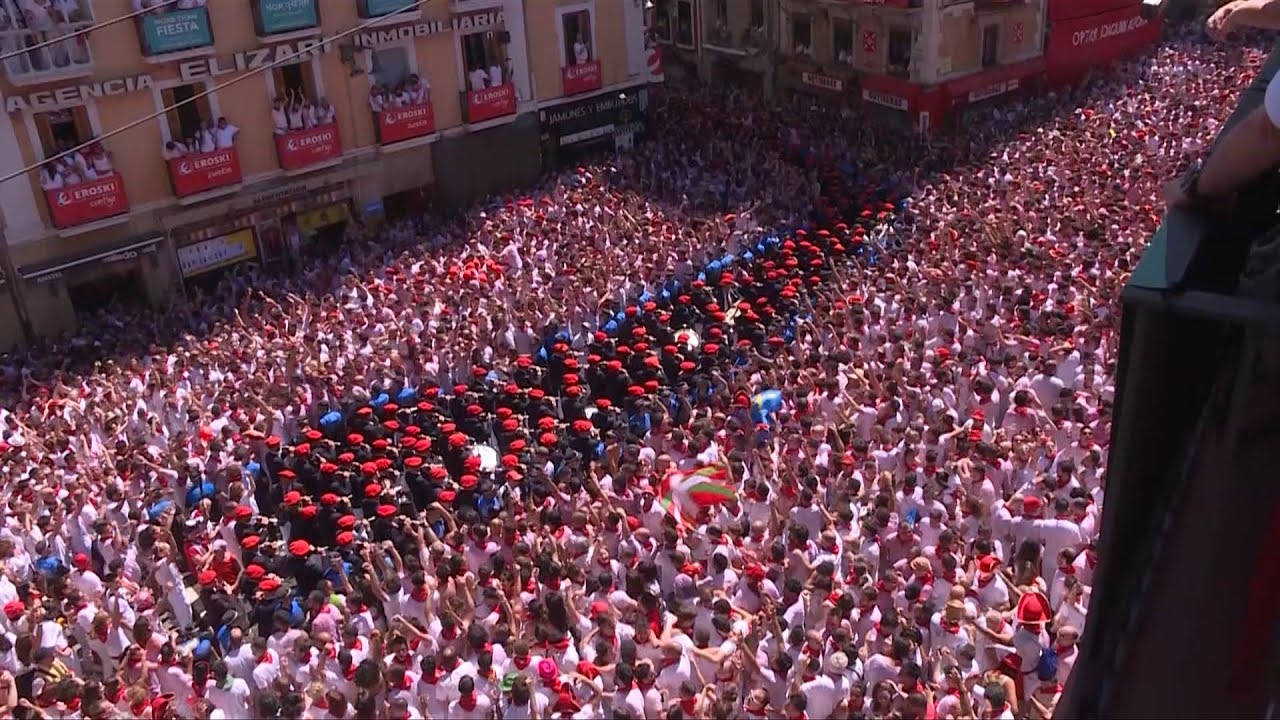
column 1047, row 668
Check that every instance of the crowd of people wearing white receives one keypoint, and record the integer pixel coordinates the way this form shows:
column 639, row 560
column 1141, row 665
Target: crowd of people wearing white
column 208, row 137
column 76, row 167
column 424, row 477
column 413, row 90
column 294, row 111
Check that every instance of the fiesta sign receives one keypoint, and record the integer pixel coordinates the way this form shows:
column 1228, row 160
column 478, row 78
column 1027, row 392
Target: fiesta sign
column 303, row 148
column 406, row 123
column 208, row 171
column 87, row 202
column 491, row 103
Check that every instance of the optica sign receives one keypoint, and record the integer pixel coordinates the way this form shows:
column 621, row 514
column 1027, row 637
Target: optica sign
column 406, row 123
column 491, row 103
column 1097, row 39
column 302, row 148
column 200, row 173
column 87, row 202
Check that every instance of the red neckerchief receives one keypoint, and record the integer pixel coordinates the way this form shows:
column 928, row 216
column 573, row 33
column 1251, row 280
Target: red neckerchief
column 357, row 644
column 552, row 583
column 1067, row 569
column 1063, row 649
column 407, row 682
column 762, row 712
column 266, row 658
column 983, row 583
column 103, row 635
column 655, row 620
column 953, row 628
column 521, row 662
column 467, row 702
column 1091, row 558
column 996, row 712
column 689, row 705
column 450, row 633
column 434, row 677
column 420, row 594
column 926, row 579
column 562, row 644
column 1049, row 689
column 808, row 651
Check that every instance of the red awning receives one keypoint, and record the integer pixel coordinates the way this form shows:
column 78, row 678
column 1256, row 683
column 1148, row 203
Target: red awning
column 961, row 87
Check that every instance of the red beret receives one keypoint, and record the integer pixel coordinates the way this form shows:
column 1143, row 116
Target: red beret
column 309, row 511
column 292, row 497
column 329, row 499
column 299, row 548
column 413, row 461
column 345, row 537
column 207, row 577
column 372, row 490
column 269, row 584
column 548, row 439
column 386, row 510
column 255, row 571
column 250, row 542
column 468, row 481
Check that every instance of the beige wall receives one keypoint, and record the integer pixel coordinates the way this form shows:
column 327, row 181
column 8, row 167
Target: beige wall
column 545, row 37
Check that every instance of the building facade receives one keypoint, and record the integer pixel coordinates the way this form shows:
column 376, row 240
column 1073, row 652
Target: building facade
column 251, row 126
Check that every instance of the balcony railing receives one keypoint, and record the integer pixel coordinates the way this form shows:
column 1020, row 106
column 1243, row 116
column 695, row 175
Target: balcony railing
column 303, row 149
column 1190, row 485
column 276, row 17
column 70, row 57
column 396, row 125
column 745, row 41
column 164, row 33
column 581, row 77
column 87, row 202
column 489, row 103
column 204, row 172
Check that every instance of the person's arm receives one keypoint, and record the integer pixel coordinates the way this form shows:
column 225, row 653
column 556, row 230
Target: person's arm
column 1240, row 14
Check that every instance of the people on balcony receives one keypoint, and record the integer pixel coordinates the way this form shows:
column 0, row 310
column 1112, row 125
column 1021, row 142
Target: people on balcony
column 413, row 90
column 581, row 52
column 45, row 20
column 294, row 111
column 73, row 167
column 208, row 137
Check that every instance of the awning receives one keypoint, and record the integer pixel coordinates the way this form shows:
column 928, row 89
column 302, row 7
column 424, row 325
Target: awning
column 49, row 269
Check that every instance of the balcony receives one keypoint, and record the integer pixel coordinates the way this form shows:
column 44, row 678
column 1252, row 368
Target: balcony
column 1189, row 530
column 580, row 78
column 63, row 60
column 175, row 34
column 311, row 149
column 489, row 103
column 87, row 202
column 196, row 177
column 369, row 9
column 403, row 124
column 747, row 41
column 278, row 19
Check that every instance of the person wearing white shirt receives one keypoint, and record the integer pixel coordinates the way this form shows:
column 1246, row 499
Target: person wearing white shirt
column 495, row 75
column 419, row 90
column 478, row 78
column 279, row 117
column 581, row 53
column 50, row 178
column 324, row 112
column 225, row 134
column 208, row 143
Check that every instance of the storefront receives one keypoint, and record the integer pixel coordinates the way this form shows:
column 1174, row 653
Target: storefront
column 897, row 100
column 988, row 86
column 130, row 273
column 610, row 121
column 1076, row 44
column 272, row 229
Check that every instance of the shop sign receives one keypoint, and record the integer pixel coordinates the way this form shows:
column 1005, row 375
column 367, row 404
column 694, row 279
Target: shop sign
column 302, row 148
column 989, row 92
column 405, row 123
column 378, row 8
column 217, row 252
column 896, row 102
column 822, row 81
column 312, row 221
column 87, row 202
column 285, row 15
column 128, row 255
column 71, row 95
column 599, row 118
column 194, row 174
column 581, row 78
column 463, row 24
column 176, row 30
column 491, row 103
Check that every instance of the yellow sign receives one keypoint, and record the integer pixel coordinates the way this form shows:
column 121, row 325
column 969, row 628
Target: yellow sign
column 217, row 252
column 312, row 220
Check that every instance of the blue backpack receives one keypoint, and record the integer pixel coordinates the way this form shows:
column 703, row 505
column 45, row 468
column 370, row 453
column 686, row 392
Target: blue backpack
column 1047, row 668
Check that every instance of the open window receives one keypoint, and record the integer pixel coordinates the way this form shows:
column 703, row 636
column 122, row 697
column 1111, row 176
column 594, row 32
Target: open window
column 487, row 59
column 192, row 126
column 684, row 24
column 61, row 131
column 718, row 29
column 990, row 45
column 29, row 24
column 299, row 103
column 579, row 46
column 900, row 51
column 659, row 18
column 395, row 82
column 842, row 40
column 802, row 34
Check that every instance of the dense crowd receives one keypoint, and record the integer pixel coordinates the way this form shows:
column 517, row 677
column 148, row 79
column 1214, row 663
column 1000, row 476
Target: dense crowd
column 427, row 477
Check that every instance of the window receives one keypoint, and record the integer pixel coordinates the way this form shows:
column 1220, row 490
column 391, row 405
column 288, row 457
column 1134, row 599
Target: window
column 757, row 14
column 298, row 104
column 684, row 24
column 899, row 51
column 190, row 123
column 27, row 23
column 990, row 45
column 802, row 33
column 62, row 130
column 577, row 37
column 390, row 66
column 485, row 55
column 842, row 40
column 660, row 20
column 719, row 31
